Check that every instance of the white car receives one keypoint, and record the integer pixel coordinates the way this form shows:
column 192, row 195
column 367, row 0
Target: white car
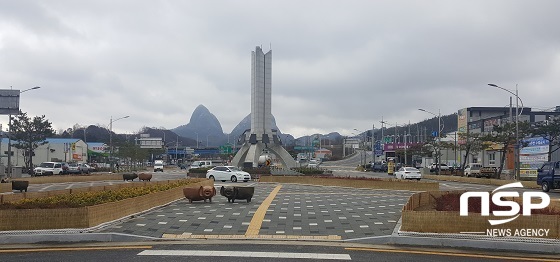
column 231, row 173
column 48, row 168
column 408, row 173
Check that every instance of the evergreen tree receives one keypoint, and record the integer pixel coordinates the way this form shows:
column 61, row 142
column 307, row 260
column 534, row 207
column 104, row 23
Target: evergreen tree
column 28, row 134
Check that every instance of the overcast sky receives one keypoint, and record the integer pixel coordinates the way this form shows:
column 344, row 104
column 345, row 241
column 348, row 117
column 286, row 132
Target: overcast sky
column 337, row 65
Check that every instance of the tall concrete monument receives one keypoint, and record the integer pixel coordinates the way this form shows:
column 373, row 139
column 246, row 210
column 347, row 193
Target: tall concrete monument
column 261, row 139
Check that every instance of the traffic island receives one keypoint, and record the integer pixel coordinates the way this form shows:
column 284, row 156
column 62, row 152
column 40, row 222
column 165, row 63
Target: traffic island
column 421, row 215
column 15, row 216
column 357, row 182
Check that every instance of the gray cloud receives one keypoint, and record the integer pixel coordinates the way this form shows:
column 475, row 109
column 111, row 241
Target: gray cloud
column 336, row 65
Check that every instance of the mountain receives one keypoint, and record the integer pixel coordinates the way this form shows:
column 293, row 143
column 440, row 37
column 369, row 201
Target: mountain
column 246, row 124
column 203, row 127
column 328, row 139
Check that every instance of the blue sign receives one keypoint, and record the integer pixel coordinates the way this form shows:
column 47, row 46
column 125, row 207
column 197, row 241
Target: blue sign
column 434, row 133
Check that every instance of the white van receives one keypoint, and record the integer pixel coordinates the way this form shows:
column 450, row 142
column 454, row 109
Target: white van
column 473, row 169
column 158, row 165
column 201, row 164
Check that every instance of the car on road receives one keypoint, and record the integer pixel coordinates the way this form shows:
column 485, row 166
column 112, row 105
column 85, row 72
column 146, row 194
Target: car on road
column 379, row 167
column 232, row 173
column 78, row 168
column 408, row 173
column 314, row 163
column 158, row 165
column 48, row 168
column 202, row 164
column 548, row 176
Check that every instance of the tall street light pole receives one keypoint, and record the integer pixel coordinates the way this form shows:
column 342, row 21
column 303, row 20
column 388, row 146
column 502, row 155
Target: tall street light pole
column 517, row 114
column 363, row 147
column 372, row 144
column 111, row 139
column 10, row 137
column 439, row 136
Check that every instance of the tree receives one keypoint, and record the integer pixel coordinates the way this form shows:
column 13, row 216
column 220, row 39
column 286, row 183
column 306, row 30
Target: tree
column 29, row 134
column 549, row 130
column 504, row 136
column 472, row 146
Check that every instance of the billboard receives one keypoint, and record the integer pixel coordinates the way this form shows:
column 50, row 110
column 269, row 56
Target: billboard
column 9, row 102
column 533, row 155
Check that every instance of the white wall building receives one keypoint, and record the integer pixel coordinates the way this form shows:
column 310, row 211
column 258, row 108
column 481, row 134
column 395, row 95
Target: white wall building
column 56, row 150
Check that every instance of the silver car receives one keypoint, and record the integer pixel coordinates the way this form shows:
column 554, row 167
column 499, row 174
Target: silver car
column 231, row 173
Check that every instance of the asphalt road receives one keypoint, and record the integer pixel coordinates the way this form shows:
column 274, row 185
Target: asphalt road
column 235, row 252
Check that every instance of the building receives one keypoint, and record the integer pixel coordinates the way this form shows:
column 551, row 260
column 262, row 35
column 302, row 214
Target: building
column 56, row 150
column 482, row 120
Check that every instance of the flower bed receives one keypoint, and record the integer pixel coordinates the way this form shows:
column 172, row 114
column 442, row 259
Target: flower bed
column 87, row 210
column 438, row 212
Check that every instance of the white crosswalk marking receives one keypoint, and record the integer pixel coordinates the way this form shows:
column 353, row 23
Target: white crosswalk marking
column 201, row 253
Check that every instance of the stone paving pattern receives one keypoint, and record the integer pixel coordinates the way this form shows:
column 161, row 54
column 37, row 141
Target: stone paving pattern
column 296, row 210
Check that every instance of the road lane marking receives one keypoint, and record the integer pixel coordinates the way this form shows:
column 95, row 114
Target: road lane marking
column 279, row 236
column 21, row 250
column 209, row 253
column 256, row 221
column 451, row 254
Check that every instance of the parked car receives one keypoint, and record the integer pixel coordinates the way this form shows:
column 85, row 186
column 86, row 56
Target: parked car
column 408, row 173
column 90, row 167
column 473, row 169
column 434, row 167
column 48, row 168
column 78, row 168
column 65, row 168
column 224, row 173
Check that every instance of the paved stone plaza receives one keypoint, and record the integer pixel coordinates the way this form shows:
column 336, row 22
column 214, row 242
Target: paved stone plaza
column 295, row 210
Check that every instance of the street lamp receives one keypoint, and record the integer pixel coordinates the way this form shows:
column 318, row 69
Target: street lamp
column 111, row 139
column 363, row 147
column 517, row 114
column 10, row 137
column 439, row 136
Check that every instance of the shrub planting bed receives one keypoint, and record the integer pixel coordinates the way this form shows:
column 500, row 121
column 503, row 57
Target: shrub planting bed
column 70, row 178
column 438, row 212
column 88, row 209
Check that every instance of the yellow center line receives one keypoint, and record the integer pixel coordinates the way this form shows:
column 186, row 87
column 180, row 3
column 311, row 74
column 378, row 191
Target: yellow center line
column 256, row 221
column 451, row 254
column 21, row 250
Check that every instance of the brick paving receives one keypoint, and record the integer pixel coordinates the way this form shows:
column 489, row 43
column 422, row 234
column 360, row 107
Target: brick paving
column 299, row 210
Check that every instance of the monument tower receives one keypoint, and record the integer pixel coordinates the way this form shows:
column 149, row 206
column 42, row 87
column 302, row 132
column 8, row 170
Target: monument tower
column 261, row 138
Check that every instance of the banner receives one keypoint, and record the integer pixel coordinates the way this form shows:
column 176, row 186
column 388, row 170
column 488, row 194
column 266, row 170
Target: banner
column 534, row 150
column 533, row 158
